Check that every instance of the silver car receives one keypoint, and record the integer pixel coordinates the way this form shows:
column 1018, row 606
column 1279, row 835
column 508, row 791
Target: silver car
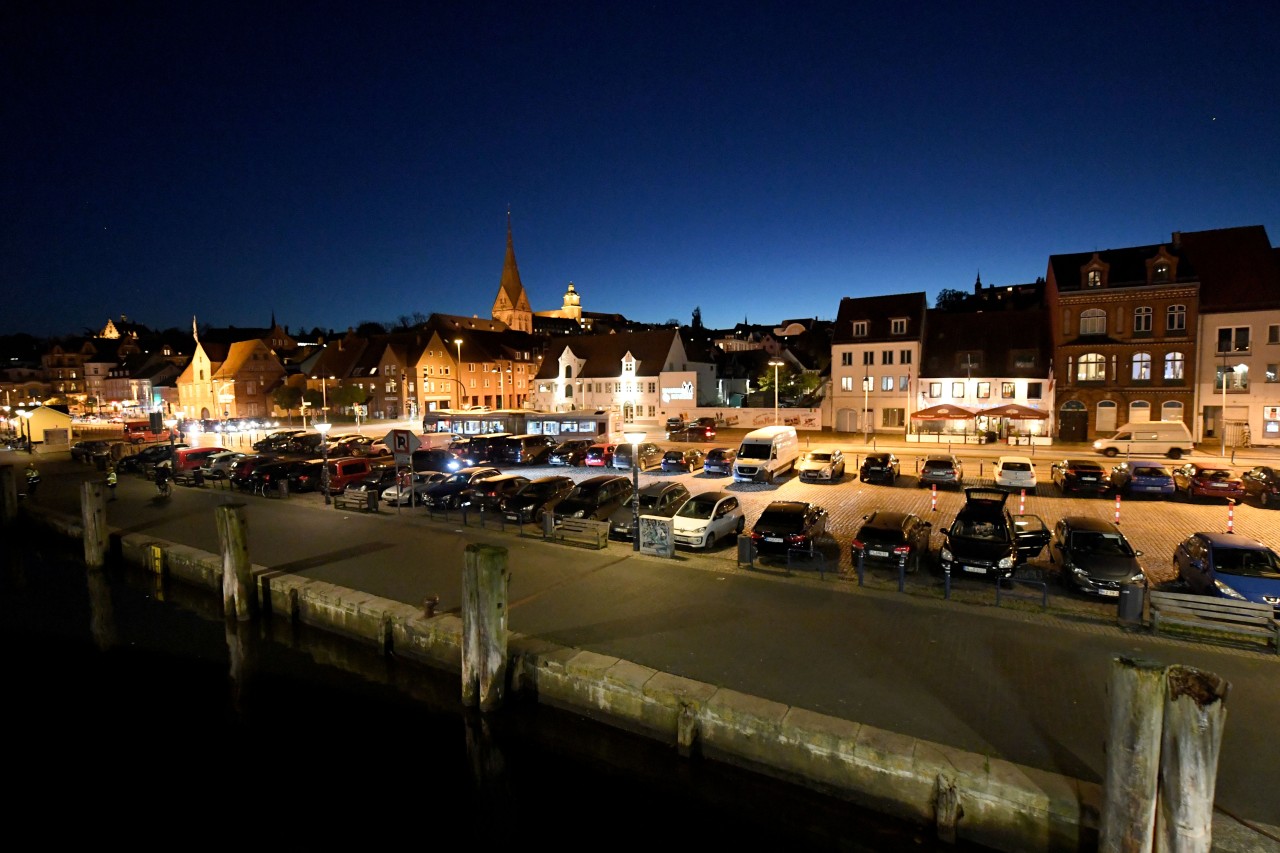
column 825, row 464
column 706, row 518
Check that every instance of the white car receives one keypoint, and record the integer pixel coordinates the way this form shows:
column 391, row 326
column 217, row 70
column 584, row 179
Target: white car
column 705, row 519
column 823, row 464
column 1015, row 472
column 412, row 495
column 218, row 466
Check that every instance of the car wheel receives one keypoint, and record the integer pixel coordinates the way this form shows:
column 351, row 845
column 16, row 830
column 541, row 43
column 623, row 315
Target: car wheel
column 1110, row 452
column 1174, row 453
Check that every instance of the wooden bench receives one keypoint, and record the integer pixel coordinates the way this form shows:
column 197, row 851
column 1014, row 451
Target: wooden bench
column 582, row 531
column 1214, row 614
column 354, row 500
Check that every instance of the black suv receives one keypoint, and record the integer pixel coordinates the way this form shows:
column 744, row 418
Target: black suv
column 785, row 525
column 535, row 497
column 595, row 497
column 887, row 537
column 487, row 494
column 880, row 468
column 661, row 498
column 1095, row 556
column 152, row 455
column 985, row 539
column 571, row 452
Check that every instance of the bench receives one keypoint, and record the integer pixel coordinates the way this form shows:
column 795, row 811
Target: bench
column 582, row 531
column 355, row 500
column 1206, row 612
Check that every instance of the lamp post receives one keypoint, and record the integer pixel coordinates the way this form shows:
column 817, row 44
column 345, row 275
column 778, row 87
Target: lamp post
column 1222, row 420
column 866, row 389
column 634, row 436
column 323, row 429
column 775, row 363
column 458, row 343
column 25, row 428
column 171, row 424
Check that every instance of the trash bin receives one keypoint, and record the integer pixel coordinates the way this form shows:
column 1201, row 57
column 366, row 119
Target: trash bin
column 371, row 500
column 746, row 550
column 1131, row 602
column 283, row 486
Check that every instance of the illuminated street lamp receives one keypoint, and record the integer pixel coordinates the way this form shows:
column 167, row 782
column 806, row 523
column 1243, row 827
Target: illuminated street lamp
column 634, row 436
column 458, row 342
column 323, row 429
column 775, row 364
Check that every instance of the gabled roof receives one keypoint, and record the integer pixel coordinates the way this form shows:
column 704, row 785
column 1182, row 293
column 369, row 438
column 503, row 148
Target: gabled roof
column 1238, row 268
column 877, row 312
column 1126, row 267
column 602, row 354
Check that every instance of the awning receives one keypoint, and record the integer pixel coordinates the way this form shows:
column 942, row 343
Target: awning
column 948, row 412
column 1015, row 411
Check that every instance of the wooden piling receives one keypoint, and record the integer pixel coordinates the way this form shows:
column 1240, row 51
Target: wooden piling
column 93, row 517
column 233, row 541
column 484, row 626
column 1137, row 690
column 1195, row 713
column 8, row 495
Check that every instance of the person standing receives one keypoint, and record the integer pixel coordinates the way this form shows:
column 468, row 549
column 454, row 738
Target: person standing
column 111, row 482
column 33, row 479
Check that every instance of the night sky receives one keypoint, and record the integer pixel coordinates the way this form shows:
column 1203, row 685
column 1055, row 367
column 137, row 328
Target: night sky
column 336, row 163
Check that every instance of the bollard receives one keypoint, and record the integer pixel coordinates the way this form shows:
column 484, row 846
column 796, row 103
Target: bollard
column 1231, row 516
column 902, row 571
column 1117, row 509
column 934, row 499
column 946, row 581
column 861, row 556
column 1022, row 502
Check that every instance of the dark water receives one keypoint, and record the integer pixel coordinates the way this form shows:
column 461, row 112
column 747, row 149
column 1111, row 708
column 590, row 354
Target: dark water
column 135, row 711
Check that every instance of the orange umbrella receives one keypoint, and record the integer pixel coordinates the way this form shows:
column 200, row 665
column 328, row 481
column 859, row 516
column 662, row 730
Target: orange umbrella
column 1015, row 411
column 945, row 412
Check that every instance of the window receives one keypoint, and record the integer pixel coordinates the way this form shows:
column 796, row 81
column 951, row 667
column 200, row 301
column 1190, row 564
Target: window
column 653, row 387
column 1091, row 367
column 898, row 326
column 1093, row 322
column 1142, row 319
column 904, row 383
column 1006, row 391
column 1034, row 390
column 859, row 328
column 1273, row 334
column 904, row 356
column 1174, row 363
column 957, row 389
column 1093, row 278
column 1233, row 339
column 984, row 390
column 1161, row 273
column 1237, row 377
column 846, row 383
column 886, row 383
column 1271, row 373
column 846, row 359
column 935, row 389
column 892, row 417
column 1142, row 367
column 886, row 357
column 868, row 357
column 1175, row 319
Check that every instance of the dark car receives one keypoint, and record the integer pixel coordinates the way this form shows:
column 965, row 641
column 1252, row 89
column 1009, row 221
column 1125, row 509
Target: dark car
column 307, row 476
column 662, row 498
column 153, row 455
column 534, row 498
column 880, row 468
column 1079, row 476
column 267, row 477
column 1139, row 477
column 447, row 493
column 570, row 453
column 434, row 459
column 1262, row 484
column 487, row 494
column 1229, row 565
column 276, row 441
column 682, row 461
column 409, row 488
column 648, row 455
column 241, row 474
column 703, row 429
column 1095, row 556
column 788, row 525
column 942, row 469
column 483, row 449
column 1198, row 480
column 986, row 539
column 887, row 538
column 528, row 449
column 87, row 451
column 595, row 497
column 378, row 480
column 303, row 444
column 720, row 461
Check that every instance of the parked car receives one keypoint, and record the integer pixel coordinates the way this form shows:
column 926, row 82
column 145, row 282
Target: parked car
column 534, row 498
column 86, row 451
column 823, row 465
column 1079, row 475
column 683, row 461
column 986, row 539
column 720, row 461
column 703, row 429
column 648, row 455
column 1199, row 480
column 379, row 479
column 188, row 459
column 447, row 493
column 1141, row 477
column 268, row 476
column 241, row 476
column 219, row 465
column 1014, row 473
column 1262, row 484
column 483, row 449
column 707, row 518
column 307, row 476
column 527, row 449
column 942, row 469
column 276, row 441
column 153, row 455
column 434, row 459
column 594, row 498
column 662, row 498
column 1229, row 565
column 347, row 470
column 414, row 492
column 676, row 427
column 487, row 494
column 880, row 467
column 570, row 453
column 887, row 537
column 303, row 444
column 787, row 525
column 600, row 455
column 351, row 445
column 1094, row 555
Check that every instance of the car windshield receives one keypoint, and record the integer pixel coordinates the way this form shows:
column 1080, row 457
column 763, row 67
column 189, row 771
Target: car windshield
column 818, row 457
column 1150, row 472
column 1249, row 562
column 646, row 501
column 537, row 490
column 1016, row 466
column 780, row 520
column 1102, row 544
column 754, row 451
column 697, row 508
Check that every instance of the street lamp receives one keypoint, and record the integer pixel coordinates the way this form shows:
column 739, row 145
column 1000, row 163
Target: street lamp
column 458, row 342
column 323, row 429
column 171, row 424
column 634, row 436
column 775, row 364
column 866, row 422
column 25, row 427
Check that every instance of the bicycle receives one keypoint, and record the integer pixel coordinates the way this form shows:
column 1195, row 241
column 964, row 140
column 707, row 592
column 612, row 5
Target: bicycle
column 164, row 488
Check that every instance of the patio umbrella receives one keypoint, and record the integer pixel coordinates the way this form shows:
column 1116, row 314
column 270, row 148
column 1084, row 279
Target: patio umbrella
column 945, row 412
column 1015, row 411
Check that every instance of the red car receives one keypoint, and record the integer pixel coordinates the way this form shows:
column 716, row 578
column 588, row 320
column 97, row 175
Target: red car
column 600, row 455
column 1200, row 480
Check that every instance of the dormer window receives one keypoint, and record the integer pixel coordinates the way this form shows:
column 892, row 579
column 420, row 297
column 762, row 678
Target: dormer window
column 1093, row 278
column 1160, row 273
column 859, row 328
column 898, row 326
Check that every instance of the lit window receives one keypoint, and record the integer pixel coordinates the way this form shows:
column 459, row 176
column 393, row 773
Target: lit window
column 1091, row 367
column 957, row 389
column 1094, row 278
column 846, row 383
column 1142, row 367
column 886, row 383
column 1093, row 322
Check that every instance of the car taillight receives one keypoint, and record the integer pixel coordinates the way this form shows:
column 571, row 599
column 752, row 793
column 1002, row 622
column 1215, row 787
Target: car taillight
column 856, row 545
column 902, row 549
column 756, row 536
column 795, row 538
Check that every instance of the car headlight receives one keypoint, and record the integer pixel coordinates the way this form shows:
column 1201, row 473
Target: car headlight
column 1006, row 562
column 1138, row 577
column 1079, row 572
column 945, row 554
column 1227, row 591
column 578, row 513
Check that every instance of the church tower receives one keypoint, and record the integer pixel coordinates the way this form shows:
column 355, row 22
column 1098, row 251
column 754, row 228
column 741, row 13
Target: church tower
column 512, row 305
column 572, row 305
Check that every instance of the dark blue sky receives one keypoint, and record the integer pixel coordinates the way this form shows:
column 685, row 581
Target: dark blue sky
column 343, row 162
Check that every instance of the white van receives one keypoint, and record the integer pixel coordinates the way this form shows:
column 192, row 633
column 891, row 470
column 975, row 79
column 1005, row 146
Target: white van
column 765, row 454
column 1166, row 438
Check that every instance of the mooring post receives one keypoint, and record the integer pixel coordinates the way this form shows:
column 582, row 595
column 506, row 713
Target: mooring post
column 93, row 517
column 484, row 625
column 1195, row 713
column 233, row 540
column 1133, row 755
column 8, row 495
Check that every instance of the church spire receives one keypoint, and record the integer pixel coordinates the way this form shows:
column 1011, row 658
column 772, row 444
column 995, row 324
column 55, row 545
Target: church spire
column 512, row 304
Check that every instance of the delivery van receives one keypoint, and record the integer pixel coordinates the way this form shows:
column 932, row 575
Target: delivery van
column 766, row 454
column 1164, row 438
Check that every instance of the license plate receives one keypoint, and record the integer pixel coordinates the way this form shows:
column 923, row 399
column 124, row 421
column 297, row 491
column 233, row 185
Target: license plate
column 878, row 553
column 1150, row 488
column 1088, row 479
column 772, row 539
column 511, row 516
column 619, row 530
column 977, row 570
column 1110, row 593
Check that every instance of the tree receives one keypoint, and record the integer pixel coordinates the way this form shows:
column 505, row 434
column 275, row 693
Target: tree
column 368, row 327
column 950, row 299
column 287, row 397
column 345, row 396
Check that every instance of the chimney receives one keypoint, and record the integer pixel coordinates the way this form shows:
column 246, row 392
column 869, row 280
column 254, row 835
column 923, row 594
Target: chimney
column 1177, row 239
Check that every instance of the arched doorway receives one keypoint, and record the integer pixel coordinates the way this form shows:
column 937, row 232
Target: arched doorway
column 1139, row 412
column 1073, row 421
column 846, row 420
column 1107, row 413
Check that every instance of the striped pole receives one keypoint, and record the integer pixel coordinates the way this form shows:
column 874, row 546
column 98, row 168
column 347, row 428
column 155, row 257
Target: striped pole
column 1022, row 502
column 1117, row 509
column 1231, row 516
column 934, row 489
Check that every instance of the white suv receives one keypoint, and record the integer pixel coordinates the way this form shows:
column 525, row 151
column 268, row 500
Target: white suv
column 705, row 519
column 1015, row 472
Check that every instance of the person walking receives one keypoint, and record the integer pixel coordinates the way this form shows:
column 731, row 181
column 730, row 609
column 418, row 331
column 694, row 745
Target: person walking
column 111, row 482
column 33, row 479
